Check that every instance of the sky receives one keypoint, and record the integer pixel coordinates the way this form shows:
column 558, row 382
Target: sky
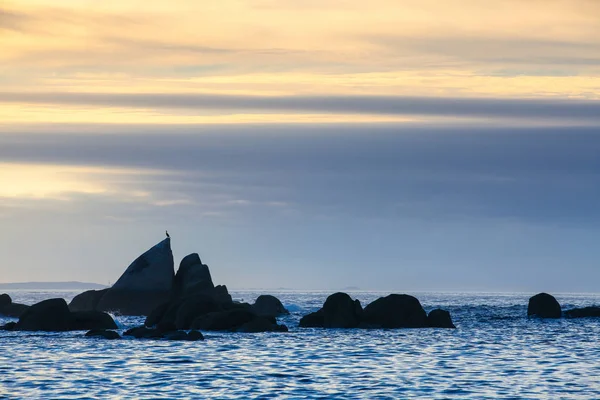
column 388, row 145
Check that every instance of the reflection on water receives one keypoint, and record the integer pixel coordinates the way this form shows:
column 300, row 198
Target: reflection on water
column 496, row 352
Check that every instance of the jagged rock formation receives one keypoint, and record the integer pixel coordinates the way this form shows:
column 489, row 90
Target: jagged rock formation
column 10, row 309
column 54, row 315
column 390, row 312
column 543, row 305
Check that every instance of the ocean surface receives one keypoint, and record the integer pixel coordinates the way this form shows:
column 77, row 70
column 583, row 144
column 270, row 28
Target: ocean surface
column 495, row 353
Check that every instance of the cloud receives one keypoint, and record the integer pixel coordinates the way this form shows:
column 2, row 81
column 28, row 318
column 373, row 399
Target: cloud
column 536, row 109
column 368, row 171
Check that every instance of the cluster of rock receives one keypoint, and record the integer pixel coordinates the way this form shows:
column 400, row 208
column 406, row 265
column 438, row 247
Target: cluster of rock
column 390, row 312
column 10, row 309
column 53, row 315
column 207, row 313
column 544, row 305
column 150, row 281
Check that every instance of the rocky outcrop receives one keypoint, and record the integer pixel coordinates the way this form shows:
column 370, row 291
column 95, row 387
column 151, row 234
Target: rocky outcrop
column 146, row 283
column 54, row 315
column 192, row 277
column 390, row 312
column 543, row 305
column 269, row 306
column 440, row 319
column 10, row 309
column 585, row 312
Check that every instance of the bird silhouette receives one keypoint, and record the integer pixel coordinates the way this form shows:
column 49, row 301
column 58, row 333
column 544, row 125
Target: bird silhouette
column 167, row 233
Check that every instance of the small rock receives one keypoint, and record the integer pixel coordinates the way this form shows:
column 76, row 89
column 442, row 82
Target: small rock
column 106, row 334
column 543, row 305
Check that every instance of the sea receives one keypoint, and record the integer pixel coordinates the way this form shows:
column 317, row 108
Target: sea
column 496, row 352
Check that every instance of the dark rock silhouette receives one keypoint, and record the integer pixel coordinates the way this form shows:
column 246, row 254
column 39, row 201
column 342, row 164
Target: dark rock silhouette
column 390, row 312
column 262, row 324
column 87, row 301
column 239, row 319
column 340, row 311
column 9, row 326
column 83, row 320
column 313, row 320
column 585, row 312
column 543, row 305
column 192, row 277
column 145, row 284
column 103, row 333
column 10, row 309
column 269, row 306
column 5, row 300
column 54, row 315
column 395, row 311
column 440, row 319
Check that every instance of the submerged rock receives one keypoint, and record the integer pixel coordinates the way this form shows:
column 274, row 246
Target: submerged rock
column 585, row 312
column 9, row 326
column 269, row 306
column 439, row 318
column 543, row 305
column 106, row 334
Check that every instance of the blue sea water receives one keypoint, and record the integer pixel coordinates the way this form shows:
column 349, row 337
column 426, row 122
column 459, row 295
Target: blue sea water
column 496, row 352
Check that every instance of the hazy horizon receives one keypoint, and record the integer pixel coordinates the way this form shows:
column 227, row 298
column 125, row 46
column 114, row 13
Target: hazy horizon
column 406, row 145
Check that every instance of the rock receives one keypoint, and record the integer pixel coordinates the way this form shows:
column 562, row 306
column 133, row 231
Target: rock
column 14, row 310
column 106, row 334
column 10, row 309
column 228, row 320
column 269, row 306
column 146, row 283
column 585, row 312
column 9, row 326
column 192, row 277
column 313, row 320
column 176, row 335
column 157, row 314
column 340, row 311
column 94, row 320
column 221, row 294
column 262, row 324
column 194, row 336
column 440, row 319
column 543, row 305
column 5, row 300
column 138, row 332
column 194, row 307
column 47, row 315
column 165, row 327
column 87, row 301
column 395, row 311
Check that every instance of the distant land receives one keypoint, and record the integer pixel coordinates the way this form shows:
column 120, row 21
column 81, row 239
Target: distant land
column 52, row 285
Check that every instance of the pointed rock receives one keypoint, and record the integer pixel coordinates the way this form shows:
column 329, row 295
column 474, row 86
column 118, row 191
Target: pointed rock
column 145, row 284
